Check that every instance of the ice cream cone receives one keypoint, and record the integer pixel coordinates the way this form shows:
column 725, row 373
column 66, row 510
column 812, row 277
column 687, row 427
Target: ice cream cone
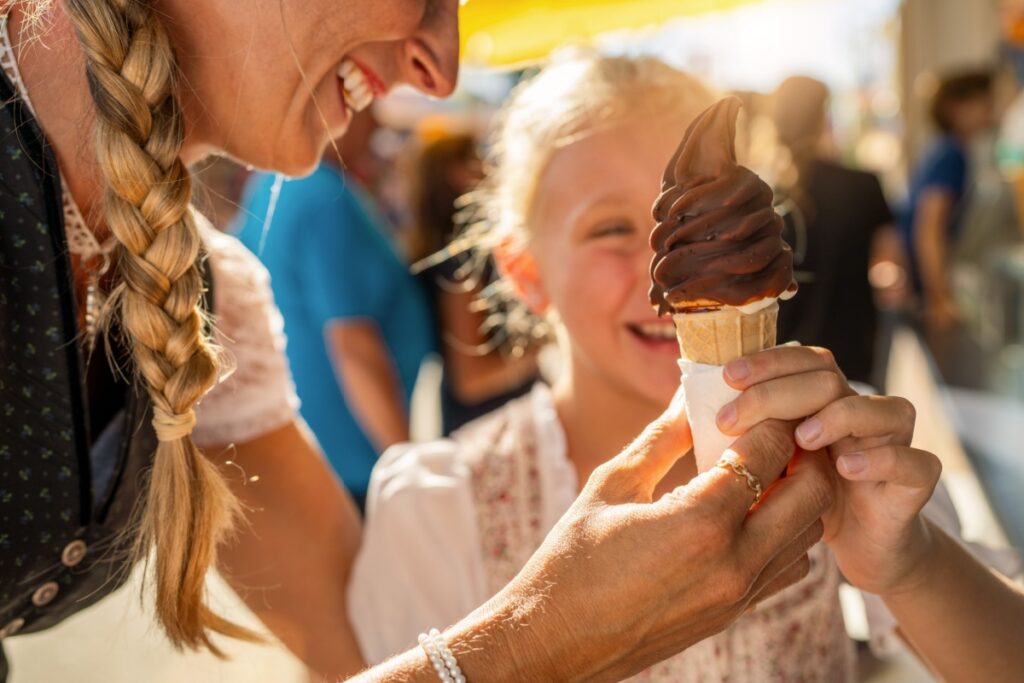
column 717, row 337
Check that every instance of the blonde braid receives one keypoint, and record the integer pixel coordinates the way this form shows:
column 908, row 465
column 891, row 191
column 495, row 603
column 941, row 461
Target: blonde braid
column 139, row 134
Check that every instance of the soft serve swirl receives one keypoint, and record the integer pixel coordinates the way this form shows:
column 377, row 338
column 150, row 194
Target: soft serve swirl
column 718, row 241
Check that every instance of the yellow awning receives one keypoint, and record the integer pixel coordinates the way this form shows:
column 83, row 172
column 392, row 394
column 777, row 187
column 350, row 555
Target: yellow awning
column 511, row 32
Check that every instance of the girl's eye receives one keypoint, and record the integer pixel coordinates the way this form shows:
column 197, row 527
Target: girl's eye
column 612, row 230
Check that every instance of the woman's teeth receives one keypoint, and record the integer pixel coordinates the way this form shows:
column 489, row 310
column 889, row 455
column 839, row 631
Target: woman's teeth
column 358, row 94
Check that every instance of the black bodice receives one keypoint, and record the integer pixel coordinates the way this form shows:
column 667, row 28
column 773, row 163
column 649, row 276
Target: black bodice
column 59, row 550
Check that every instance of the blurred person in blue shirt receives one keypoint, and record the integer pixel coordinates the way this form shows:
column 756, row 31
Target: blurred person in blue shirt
column 962, row 109
column 358, row 324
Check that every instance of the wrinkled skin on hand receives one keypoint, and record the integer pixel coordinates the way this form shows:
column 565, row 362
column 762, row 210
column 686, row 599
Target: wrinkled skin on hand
column 635, row 580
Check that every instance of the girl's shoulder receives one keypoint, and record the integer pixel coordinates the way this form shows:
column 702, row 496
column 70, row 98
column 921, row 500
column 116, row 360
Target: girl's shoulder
column 483, row 487
column 496, row 441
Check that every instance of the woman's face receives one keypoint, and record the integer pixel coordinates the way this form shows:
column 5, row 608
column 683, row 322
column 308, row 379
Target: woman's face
column 591, row 222
column 265, row 79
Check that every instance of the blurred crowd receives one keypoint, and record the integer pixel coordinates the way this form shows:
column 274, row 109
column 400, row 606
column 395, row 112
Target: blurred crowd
column 468, row 323
column 391, row 282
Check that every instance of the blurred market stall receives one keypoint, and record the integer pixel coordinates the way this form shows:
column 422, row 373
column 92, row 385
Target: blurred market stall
column 510, row 33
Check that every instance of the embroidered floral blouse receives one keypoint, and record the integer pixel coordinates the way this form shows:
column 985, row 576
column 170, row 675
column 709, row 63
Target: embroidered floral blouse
column 451, row 522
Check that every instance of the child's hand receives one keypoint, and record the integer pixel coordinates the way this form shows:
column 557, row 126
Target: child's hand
column 874, row 527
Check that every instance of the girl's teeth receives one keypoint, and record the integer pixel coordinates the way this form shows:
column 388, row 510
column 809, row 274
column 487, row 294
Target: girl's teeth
column 362, row 99
column 658, row 331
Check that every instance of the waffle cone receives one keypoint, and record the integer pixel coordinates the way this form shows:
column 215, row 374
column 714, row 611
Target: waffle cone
column 717, row 337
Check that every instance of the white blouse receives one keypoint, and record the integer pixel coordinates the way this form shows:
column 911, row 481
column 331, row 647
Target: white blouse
column 256, row 394
column 451, row 522
column 421, row 561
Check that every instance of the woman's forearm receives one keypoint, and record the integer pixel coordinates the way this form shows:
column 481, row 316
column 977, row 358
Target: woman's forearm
column 494, row 643
column 964, row 619
column 290, row 558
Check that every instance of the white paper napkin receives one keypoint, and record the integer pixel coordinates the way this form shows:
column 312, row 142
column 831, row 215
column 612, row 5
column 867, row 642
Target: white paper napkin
column 705, row 392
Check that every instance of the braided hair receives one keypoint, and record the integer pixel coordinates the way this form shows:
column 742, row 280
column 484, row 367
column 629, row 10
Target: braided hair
column 156, row 302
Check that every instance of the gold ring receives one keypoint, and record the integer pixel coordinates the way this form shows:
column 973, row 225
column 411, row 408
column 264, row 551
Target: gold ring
column 739, row 468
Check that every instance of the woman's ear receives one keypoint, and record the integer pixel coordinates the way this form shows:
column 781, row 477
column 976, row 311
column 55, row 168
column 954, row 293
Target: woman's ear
column 518, row 267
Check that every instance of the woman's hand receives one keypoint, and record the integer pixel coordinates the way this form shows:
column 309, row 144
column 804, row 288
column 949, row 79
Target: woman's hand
column 874, row 527
column 624, row 581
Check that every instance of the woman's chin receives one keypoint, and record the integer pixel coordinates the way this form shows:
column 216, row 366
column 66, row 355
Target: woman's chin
column 294, row 156
column 298, row 165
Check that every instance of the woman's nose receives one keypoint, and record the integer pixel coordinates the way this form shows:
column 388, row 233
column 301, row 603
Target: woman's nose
column 431, row 57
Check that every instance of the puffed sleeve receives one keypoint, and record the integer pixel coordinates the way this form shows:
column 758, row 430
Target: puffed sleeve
column 420, row 564
column 256, row 394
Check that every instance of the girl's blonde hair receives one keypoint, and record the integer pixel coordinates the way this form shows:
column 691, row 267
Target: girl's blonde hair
column 139, row 132
column 575, row 96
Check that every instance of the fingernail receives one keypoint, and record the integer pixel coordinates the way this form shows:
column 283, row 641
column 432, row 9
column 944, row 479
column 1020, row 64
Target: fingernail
column 737, row 370
column 809, row 431
column 727, row 416
column 852, row 463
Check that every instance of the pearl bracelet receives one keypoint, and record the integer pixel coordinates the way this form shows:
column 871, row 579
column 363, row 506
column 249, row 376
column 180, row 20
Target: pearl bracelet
column 441, row 657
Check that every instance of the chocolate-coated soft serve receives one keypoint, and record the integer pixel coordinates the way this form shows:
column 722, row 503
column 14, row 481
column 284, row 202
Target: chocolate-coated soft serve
column 718, row 241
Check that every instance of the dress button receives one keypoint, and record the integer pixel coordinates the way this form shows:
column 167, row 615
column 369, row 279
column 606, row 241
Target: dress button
column 73, row 553
column 45, row 594
column 12, row 627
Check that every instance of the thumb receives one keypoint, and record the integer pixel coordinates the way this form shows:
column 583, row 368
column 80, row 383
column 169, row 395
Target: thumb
column 633, row 474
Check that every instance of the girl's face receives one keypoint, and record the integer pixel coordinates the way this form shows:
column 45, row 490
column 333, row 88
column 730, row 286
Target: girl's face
column 591, row 221
column 262, row 83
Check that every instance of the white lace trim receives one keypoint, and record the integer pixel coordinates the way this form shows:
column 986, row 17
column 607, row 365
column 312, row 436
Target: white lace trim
column 80, row 239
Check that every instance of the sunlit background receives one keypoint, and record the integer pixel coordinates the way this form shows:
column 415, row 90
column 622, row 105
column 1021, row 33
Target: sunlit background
column 880, row 59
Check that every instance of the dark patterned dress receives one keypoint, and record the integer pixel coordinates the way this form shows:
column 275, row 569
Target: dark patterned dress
column 62, row 418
